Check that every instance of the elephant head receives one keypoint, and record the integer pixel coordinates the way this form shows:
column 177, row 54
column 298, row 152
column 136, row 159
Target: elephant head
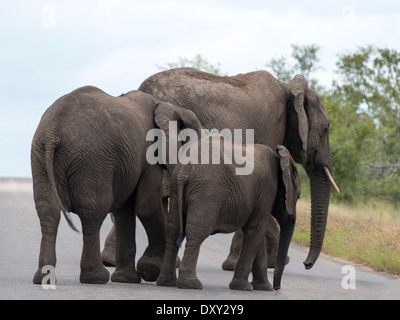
column 307, row 138
column 285, row 208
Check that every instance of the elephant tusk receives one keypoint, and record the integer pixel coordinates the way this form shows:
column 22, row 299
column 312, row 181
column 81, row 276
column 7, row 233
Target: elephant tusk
column 329, row 176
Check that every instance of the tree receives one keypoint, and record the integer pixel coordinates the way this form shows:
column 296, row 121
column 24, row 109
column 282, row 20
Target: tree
column 198, row 62
column 369, row 83
column 306, row 61
column 371, row 80
column 349, row 133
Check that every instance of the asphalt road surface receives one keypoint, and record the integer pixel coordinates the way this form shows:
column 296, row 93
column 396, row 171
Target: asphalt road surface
column 19, row 250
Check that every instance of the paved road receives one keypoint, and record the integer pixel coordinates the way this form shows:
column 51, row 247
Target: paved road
column 19, row 250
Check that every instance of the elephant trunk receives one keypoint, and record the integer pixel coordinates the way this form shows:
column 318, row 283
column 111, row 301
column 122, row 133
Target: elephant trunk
column 285, row 238
column 320, row 195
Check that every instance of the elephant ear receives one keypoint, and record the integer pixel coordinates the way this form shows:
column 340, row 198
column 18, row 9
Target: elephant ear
column 166, row 112
column 185, row 119
column 299, row 89
column 291, row 180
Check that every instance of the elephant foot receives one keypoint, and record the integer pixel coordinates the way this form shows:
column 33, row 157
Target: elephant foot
column 189, row 284
column 188, row 280
column 166, row 280
column 149, row 267
column 229, row 264
column 126, row 275
column 108, row 257
column 38, row 277
column 240, row 284
column 261, row 285
column 99, row 276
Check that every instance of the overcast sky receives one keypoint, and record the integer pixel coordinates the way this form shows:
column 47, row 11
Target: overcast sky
column 49, row 48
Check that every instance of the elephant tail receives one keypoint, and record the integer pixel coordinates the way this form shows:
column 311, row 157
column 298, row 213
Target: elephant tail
column 50, row 149
column 180, row 184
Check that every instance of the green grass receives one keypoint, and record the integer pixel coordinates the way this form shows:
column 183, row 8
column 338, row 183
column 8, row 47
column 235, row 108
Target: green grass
column 366, row 234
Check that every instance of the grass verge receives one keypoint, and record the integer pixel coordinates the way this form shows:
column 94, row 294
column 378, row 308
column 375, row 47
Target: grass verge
column 364, row 234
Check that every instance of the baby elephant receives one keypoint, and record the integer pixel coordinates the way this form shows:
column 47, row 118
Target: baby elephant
column 211, row 198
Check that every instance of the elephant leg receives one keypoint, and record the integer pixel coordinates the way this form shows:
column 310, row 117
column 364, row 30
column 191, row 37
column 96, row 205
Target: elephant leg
column 165, row 203
column 108, row 253
column 197, row 230
column 187, row 271
column 149, row 209
column 272, row 237
column 167, row 275
column 125, row 249
column 92, row 268
column 49, row 220
column 234, row 253
column 260, row 270
column 252, row 239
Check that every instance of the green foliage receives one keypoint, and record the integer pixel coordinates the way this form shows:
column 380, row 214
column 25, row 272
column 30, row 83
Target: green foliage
column 305, row 61
column 369, row 86
column 348, row 133
column 198, row 62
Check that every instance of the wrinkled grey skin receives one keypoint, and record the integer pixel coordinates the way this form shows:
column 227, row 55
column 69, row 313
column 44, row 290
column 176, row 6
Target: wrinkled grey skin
column 272, row 240
column 210, row 198
column 88, row 157
column 280, row 114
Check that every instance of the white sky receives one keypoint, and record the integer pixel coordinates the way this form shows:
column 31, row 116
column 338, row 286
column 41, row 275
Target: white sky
column 49, row 48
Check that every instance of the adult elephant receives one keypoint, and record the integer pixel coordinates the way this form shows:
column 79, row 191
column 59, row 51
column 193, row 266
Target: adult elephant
column 291, row 114
column 89, row 157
